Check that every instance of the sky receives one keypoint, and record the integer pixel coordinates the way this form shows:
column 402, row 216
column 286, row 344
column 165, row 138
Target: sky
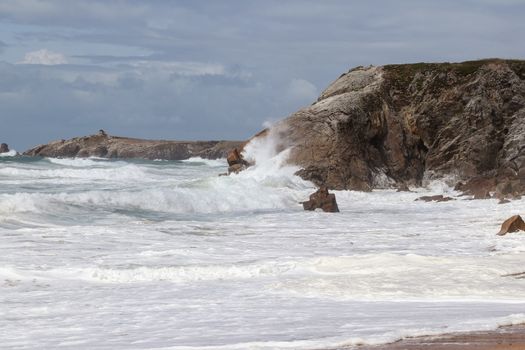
column 216, row 69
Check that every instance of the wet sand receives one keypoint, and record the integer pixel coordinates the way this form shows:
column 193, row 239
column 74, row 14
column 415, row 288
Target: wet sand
column 511, row 337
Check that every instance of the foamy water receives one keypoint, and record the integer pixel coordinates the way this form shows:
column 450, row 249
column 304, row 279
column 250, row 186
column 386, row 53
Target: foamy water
column 100, row 254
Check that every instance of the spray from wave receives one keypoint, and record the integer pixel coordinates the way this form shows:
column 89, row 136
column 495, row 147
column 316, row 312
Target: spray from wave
column 11, row 153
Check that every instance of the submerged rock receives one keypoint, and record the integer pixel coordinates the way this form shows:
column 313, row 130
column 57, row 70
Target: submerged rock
column 436, row 198
column 4, row 148
column 323, row 200
column 512, row 224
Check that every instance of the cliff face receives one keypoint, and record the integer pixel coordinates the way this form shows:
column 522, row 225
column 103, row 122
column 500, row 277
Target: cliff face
column 377, row 126
column 103, row 145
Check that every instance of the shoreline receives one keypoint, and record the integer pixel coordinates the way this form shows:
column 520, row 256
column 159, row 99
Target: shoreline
column 505, row 337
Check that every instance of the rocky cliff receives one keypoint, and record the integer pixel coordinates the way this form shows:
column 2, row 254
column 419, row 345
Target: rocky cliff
column 396, row 124
column 103, row 145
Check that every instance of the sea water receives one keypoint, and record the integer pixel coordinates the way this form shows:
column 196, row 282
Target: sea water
column 114, row 254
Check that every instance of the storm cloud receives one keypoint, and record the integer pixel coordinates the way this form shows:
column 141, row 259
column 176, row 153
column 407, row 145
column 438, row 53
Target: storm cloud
column 215, row 69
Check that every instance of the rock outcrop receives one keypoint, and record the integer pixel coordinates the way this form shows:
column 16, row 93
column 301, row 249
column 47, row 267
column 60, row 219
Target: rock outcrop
column 104, row 145
column 321, row 199
column 398, row 124
column 4, row 148
column 236, row 162
column 513, row 224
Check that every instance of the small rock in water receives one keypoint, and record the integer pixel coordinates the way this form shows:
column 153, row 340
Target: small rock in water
column 436, row 198
column 234, row 157
column 4, row 148
column 323, row 200
column 512, row 224
column 236, row 162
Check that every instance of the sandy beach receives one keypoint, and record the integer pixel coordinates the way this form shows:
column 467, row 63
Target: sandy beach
column 509, row 337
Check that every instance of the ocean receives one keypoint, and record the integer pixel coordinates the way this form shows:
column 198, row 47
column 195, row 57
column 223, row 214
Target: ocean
column 135, row 254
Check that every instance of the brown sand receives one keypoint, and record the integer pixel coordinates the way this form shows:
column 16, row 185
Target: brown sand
column 511, row 337
column 503, row 338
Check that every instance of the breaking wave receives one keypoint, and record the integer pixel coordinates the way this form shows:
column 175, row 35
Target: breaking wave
column 172, row 187
column 11, row 153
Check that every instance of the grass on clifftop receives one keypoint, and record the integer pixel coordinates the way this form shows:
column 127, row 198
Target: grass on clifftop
column 403, row 74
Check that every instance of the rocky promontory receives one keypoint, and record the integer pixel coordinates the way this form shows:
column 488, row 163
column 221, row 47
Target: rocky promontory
column 393, row 125
column 104, row 145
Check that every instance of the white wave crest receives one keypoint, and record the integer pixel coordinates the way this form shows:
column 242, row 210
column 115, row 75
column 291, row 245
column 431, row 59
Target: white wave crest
column 218, row 194
column 221, row 162
column 184, row 274
column 126, row 172
column 74, row 162
column 11, row 153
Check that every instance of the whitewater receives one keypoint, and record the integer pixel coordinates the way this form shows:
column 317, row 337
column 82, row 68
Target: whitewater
column 114, row 254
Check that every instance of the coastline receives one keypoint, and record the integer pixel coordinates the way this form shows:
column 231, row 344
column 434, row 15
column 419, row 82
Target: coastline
column 505, row 337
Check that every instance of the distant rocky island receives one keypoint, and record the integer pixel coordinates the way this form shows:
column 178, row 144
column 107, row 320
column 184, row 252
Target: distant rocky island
column 382, row 126
column 107, row 146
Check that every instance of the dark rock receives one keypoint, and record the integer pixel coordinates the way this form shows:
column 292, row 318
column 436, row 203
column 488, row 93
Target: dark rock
column 102, row 145
column 511, row 188
column 512, row 224
column 236, row 168
column 4, row 148
column 503, row 186
column 503, row 189
column 236, row 162
column 403, row 121
column 503, row 201
column 436, row 198
column 478, row 187
column 482, row 194
column 403, row 188
column 323, row 200
column 235, row 157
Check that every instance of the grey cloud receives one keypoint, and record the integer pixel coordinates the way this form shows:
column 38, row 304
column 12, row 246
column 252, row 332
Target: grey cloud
column 67, row 101
column 73, row 14
column 218, row 69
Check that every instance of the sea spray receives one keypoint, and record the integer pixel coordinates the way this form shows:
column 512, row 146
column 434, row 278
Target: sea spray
column 11, row 153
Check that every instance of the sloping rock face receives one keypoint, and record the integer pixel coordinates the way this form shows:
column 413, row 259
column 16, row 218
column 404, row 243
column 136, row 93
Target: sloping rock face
column 390, row 125
column 103, row 145
column 321, row 199
column 513, row 224
column 4, row 148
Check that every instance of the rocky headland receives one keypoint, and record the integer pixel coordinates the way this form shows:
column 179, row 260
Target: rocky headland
column 396, row 125
column 107, row 146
